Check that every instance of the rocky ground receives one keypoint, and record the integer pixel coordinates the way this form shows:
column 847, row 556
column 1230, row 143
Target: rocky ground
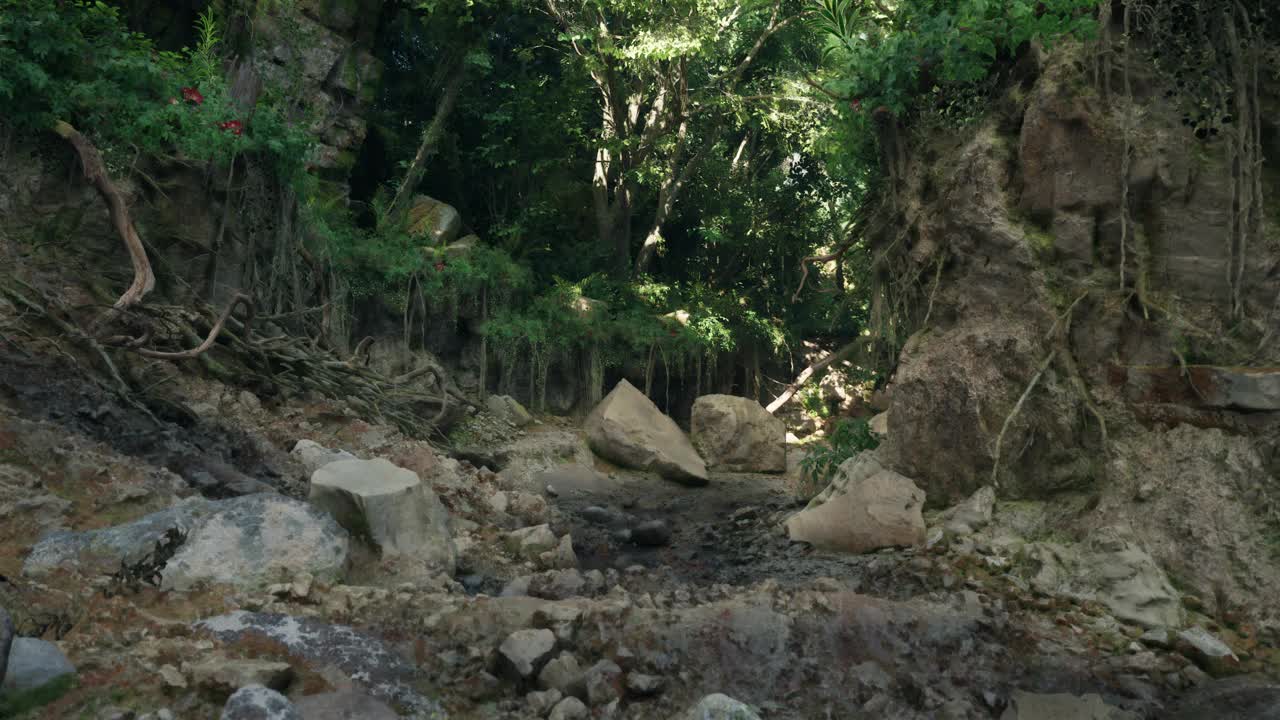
column 182, row 564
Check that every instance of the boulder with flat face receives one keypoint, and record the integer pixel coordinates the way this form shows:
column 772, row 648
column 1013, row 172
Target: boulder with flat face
column 389, row 507
column 737, row 434
column 628, row 429
column 870, row 508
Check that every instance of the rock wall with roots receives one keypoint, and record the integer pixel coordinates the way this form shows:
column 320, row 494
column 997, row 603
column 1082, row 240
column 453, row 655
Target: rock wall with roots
column 1080, row 319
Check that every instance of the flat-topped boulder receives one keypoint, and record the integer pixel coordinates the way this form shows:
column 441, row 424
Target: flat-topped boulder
column 388, row 507
column 628, row 429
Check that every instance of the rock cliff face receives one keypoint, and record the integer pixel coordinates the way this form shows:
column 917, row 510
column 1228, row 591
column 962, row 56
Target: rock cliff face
column 1043, row 357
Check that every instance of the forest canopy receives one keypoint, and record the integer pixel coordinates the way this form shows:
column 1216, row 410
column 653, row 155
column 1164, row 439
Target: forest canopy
column 695, row 173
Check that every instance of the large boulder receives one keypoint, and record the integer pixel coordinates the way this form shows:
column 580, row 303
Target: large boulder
column 362, row 659
column 388, row 506
column 34, row 663
column 247, row 542
column 505, row 407
column 737, row 434
column 257, row 540
column 433, row 220
column 866, row 508
column 628, row 429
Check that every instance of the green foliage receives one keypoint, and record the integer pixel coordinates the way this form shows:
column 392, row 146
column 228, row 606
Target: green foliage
column 77, row 62
column 888, row 60
column 847, row 439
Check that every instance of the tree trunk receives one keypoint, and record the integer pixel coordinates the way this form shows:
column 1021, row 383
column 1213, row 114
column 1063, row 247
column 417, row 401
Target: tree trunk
column 426, row 149
column 809, row 372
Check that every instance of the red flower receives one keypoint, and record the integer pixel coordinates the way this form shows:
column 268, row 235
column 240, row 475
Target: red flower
column 855, row 104
column 235, row 126
column 440, row 266
column 191, row 94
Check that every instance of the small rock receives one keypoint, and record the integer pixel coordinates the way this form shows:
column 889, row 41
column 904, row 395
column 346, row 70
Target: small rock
column 570, row 708
column 259, row 703
column 172, row 677
column 531, row 542
column 563, row 673
column 541, row 702
column 603, row 682
column 34, row 663
column 1208, row 651
column 719, row 707
column 524, row 651
column 313, row 456
column 1156, row 637
column 641, row 685
column 653, row 533
column 597, row 515
column 225, row 676
column 563, row 557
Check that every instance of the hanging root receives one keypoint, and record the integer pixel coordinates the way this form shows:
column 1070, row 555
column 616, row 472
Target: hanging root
column 1064, row 321
column 95, row 172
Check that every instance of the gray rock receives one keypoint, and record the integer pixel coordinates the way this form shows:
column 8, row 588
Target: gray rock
column 972, row 514
column 259, row 703
column 225, row 676
column 509, row 409
column 531, row 542
column 651, row 532
column 6, row 641
column 313, row 456
column 344, row 705
column 737, row 434
column 558, row 585
column 628, row 429
column 641, row 685
column 98, row 552
column 390, row 507
column 257, row 540
column 562, row 557
column 524, row 652
column 563, row 673
column 1208, row 651
column 604, row 681
column 248, row 542
column 719, row 707
column 364, row 659
column 1112, row 569
column 34, row 663
column 598, row 515
column 542, row 701
column 433, row 220
column 1032, row 706
column 570, row 708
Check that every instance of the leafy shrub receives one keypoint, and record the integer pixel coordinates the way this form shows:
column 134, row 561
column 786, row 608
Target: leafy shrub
column 78, row 62
column 847, row 439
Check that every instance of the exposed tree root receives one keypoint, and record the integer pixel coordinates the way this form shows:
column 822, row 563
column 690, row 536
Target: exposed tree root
column 95, row 172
